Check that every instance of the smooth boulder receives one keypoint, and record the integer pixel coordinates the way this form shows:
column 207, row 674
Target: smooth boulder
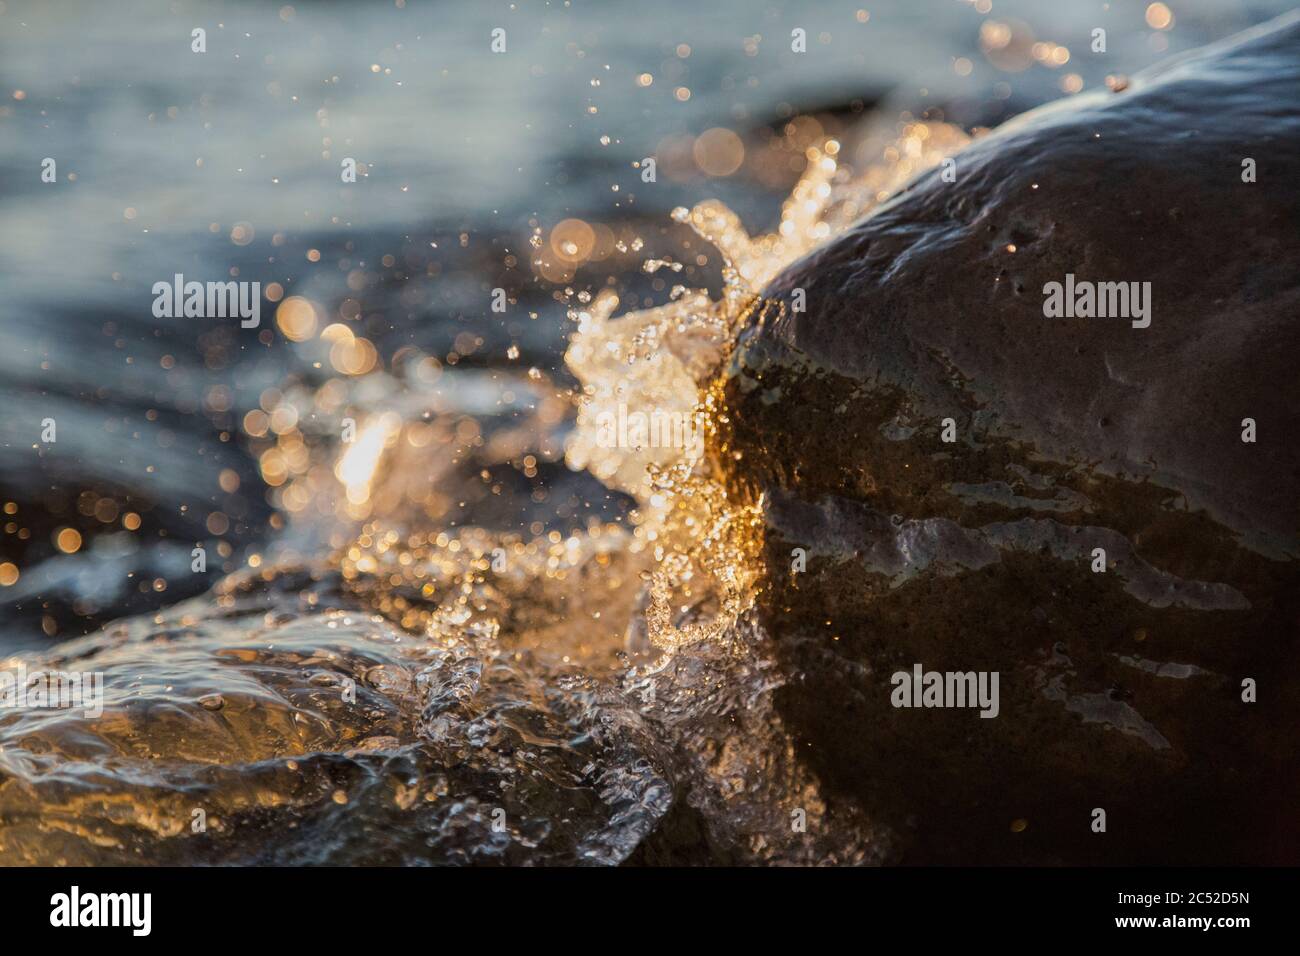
column 941, row 463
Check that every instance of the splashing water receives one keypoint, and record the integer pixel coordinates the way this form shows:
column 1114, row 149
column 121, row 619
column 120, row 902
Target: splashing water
column 435, row 693
column 706, row 546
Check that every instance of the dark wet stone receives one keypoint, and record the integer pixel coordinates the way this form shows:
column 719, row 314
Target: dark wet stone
column 1119, row 690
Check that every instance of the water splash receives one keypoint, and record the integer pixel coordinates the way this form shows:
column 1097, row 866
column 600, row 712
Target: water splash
column 707, row 546
column 515, row 697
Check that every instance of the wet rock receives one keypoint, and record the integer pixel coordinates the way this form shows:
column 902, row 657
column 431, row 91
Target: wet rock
column 1121, row 689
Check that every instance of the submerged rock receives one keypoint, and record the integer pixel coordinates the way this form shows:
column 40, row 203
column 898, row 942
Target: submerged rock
column 1121, row 689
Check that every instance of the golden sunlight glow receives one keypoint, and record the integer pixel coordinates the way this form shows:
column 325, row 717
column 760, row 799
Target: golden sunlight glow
column 358, row 465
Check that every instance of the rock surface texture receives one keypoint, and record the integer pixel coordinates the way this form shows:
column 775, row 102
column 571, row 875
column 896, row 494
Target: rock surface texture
column 1121, row 689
